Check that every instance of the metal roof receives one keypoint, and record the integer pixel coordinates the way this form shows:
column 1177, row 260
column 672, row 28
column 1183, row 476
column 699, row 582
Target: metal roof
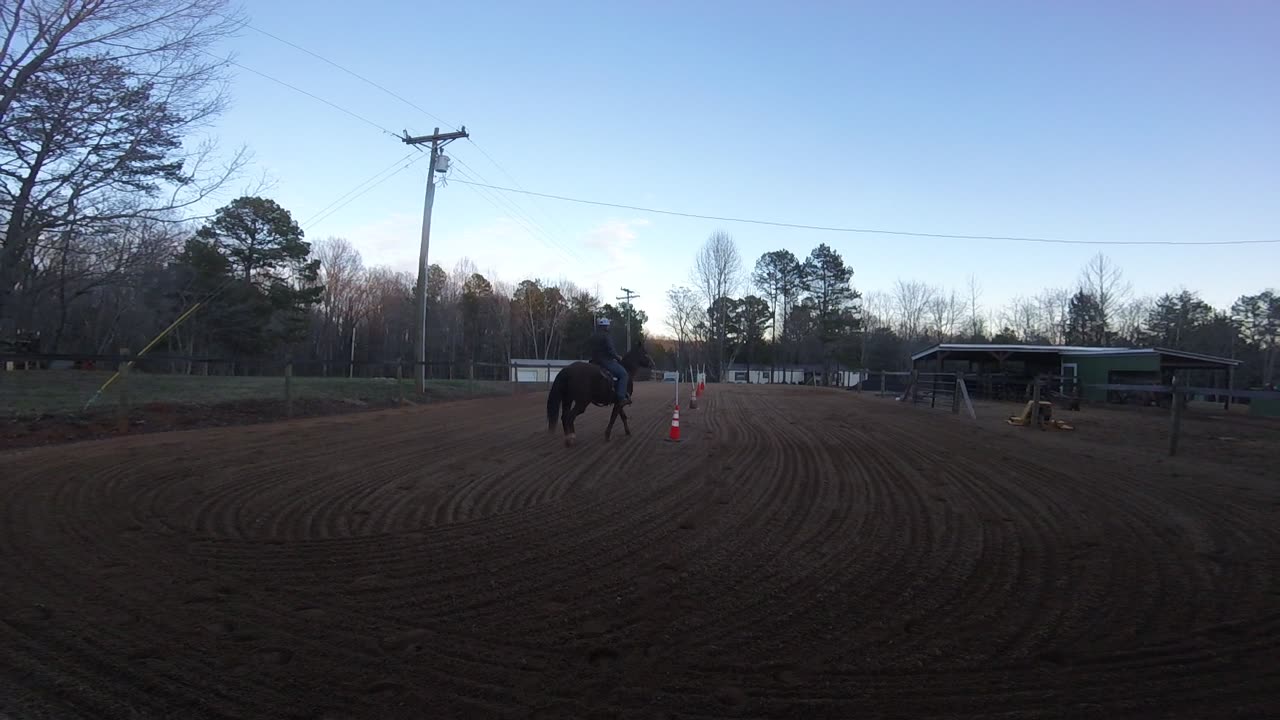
column 536, row 362
column 1071, row 350
column 1171, row 353
column 984, row 347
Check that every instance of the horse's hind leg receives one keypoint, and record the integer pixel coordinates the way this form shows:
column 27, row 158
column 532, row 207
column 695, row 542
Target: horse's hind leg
column 625, row 427
column 571, row 434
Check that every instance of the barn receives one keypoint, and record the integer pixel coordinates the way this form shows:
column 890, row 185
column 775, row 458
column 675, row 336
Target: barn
column 1089, row 366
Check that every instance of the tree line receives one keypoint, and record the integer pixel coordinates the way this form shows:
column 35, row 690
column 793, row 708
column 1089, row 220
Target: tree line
column 263, row 291
column 787, row 312
column 102, row 163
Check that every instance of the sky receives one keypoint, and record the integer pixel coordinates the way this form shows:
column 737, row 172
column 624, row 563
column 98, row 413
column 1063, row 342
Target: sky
column 1091, row 121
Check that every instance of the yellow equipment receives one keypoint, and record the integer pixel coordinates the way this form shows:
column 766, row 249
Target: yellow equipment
column 1046, row 417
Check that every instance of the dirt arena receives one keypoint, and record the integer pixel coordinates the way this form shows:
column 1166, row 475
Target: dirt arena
column 801, row 554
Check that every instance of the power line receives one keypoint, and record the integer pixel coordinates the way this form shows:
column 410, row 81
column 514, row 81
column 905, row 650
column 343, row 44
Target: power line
column 322, row 215
column 508, row 200
column 354, row 74
column 516, row 182
column 520, row 220
column 367, row 190
column 547, row 238
column 419, row 108
column 343, row 196
column 867, row 231
column 311, row 95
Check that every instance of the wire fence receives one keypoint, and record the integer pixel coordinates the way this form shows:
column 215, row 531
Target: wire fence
column 1041, row 393
column 48, row 384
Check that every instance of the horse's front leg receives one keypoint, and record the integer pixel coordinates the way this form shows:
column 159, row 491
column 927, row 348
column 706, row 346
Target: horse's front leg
column 608, row 431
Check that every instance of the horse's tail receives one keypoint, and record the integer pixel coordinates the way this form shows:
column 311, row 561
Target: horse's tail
column 554, row 401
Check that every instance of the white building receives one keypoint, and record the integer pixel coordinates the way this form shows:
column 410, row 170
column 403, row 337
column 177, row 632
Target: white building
column 533, row 370
column 790, row 375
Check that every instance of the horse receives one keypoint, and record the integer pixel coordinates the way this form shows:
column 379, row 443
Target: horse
column 582, row 384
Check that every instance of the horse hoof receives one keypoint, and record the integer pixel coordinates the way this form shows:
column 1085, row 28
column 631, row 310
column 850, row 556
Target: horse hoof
column 569, row 440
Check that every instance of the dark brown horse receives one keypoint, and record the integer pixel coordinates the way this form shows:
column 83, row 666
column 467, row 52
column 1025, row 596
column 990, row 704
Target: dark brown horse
column 582, row 384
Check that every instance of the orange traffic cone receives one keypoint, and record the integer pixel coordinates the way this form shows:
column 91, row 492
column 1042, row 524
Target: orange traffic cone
column 675, row 426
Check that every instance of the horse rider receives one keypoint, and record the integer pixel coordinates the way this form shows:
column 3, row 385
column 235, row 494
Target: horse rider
column 604, row 355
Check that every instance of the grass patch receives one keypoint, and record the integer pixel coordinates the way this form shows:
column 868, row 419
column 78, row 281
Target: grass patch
column 31, row 393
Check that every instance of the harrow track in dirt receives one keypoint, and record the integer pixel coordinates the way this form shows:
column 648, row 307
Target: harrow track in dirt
column 802, row 553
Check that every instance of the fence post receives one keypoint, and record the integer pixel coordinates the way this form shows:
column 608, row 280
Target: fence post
column 399, row 381
column 1035, row 403
column 1175, row 425
column 288, row 388
column 123, row 410
column 882, row 381
column 471, row 379
column 915, row 386
column 1231, row 381
column 955, row 394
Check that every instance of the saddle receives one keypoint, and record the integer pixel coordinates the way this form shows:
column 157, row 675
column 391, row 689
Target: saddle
column 608, row 376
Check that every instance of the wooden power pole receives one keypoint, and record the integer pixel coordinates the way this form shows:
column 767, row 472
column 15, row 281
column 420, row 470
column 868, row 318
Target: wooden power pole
column 630, row 311
column 437, row 140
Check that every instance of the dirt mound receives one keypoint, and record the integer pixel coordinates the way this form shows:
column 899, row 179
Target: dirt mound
column 802, row 553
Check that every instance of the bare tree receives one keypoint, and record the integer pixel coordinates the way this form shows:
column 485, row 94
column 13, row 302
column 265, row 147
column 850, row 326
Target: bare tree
column 977, row 323
column 97, row 102
column 343, row 277
column 945, row 311
column 683, row 313
column 1023, row 315
column 717, row 273
column 911, row 299
column 1103, row 280
column 566, row 290
column 879, row 310
column 1055, row 303
column 1128, row 320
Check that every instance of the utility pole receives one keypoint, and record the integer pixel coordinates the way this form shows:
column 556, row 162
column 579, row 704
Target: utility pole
column 630, row 311
column 437, row 140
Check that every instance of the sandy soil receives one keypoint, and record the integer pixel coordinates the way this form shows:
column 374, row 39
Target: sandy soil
column 801, row 554
column 58, row 429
